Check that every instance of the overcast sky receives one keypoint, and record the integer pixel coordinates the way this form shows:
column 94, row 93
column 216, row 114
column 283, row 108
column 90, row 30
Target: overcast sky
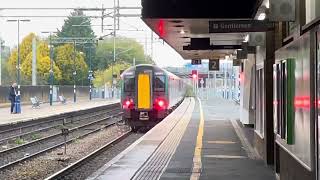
column 162, row 53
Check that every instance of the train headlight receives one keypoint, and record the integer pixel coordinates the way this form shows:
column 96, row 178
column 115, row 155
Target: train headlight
column 128, row 104
column 161, row 103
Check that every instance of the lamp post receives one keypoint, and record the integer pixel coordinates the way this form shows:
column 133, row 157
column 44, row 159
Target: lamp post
column 1, row 60
column 74, row 73
column 51, row 78
column 18, row 63
column 114, row 46
column 90, row 73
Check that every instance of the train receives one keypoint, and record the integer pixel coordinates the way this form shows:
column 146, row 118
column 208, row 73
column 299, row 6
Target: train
column 148, row 94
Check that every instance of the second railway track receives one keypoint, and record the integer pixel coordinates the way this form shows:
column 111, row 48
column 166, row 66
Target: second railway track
column 15, row 155
column 46, row 124
column 73, row 169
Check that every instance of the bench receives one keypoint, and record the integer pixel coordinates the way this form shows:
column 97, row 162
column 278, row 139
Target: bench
column 62, row 99
column 35, row 102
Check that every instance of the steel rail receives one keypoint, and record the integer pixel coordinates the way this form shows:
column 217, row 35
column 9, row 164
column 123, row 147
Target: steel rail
column 72, row 167
column 57, row 145
column 46, row 128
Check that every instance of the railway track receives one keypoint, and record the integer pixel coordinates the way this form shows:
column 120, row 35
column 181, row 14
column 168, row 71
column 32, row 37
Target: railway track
column 18, row 154
column 72, row 168
column 25, row 130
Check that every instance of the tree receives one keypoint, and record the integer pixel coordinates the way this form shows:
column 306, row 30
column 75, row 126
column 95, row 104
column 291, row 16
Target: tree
column 43, row 61
column 126, row 50
column 25, row 50
column 64, row 58
column 104, row 77
column 77, row 18
column 82, row 30
column 5, row 53
column 43, row 65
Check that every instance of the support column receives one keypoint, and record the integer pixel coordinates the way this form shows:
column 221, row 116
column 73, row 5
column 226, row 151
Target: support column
column 268, row 85
column 34, row 62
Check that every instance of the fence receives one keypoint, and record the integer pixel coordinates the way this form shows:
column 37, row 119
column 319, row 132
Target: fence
column 42, row 93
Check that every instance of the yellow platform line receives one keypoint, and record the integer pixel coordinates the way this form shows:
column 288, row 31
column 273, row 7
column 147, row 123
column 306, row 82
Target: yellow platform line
column 224, row 157
column 221, row 142
column 197, row 165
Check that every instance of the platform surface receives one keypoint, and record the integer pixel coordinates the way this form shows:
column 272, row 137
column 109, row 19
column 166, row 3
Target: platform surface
column 200, row 140
column 45, row 110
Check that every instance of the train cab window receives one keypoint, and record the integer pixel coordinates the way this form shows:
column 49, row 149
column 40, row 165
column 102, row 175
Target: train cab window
column 129, row 84
column 159, row 83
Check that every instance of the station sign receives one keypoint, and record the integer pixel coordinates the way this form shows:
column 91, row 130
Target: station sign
column 214, row 65
column 242, row 54
column 236, row 62
column 239, row 26
column 195, row 61
column 211, row 47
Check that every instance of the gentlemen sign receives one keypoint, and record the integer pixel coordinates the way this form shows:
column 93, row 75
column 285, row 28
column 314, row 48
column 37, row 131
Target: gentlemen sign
column 239, row 26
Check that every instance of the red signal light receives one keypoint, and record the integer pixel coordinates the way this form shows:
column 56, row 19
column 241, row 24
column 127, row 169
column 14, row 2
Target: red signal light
column 161, row 28
column 306, row 102
column 298, row 102
column 241, row 77
column 302, row 102
column 194, row 74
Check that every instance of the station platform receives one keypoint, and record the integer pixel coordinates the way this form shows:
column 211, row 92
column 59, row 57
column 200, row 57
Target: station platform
column 45, row 110
column 201, row 139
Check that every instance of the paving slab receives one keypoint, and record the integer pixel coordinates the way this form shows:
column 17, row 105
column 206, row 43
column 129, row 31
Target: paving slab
column 172, row 150
column 223, row 156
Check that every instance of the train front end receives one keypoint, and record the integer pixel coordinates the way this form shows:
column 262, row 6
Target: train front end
column 144, row 98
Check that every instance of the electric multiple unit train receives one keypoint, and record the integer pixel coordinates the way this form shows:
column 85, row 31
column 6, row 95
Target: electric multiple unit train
column 148, row 93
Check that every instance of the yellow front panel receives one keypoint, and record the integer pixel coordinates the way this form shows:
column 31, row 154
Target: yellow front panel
column 144, row 91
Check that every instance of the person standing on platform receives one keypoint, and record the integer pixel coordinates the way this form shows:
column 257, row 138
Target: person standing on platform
column 12, row 96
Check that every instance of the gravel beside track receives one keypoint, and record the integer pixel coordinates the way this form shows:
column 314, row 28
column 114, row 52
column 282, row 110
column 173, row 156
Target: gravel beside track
column 50, row 130
column 15, row 154
column 84, row 171
column 49, row 163
column 29, row 131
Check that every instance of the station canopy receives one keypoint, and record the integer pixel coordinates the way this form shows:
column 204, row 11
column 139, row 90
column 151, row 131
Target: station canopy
column 188, row 25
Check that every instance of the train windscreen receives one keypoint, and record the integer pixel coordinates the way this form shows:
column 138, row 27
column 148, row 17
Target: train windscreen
column 159, row 83
column 129, row 84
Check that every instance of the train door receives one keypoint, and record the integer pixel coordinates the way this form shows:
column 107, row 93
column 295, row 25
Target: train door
column 144, row 91
column 144, row 94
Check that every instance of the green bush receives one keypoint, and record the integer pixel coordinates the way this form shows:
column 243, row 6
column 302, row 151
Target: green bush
column 19, row 141
column 189, row 91
column 35, row 136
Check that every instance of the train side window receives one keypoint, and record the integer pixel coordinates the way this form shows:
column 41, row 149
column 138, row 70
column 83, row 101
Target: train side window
column 159, row 83
column 129, row 84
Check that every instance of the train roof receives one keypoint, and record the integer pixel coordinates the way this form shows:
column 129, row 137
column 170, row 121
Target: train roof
column 155, row 68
